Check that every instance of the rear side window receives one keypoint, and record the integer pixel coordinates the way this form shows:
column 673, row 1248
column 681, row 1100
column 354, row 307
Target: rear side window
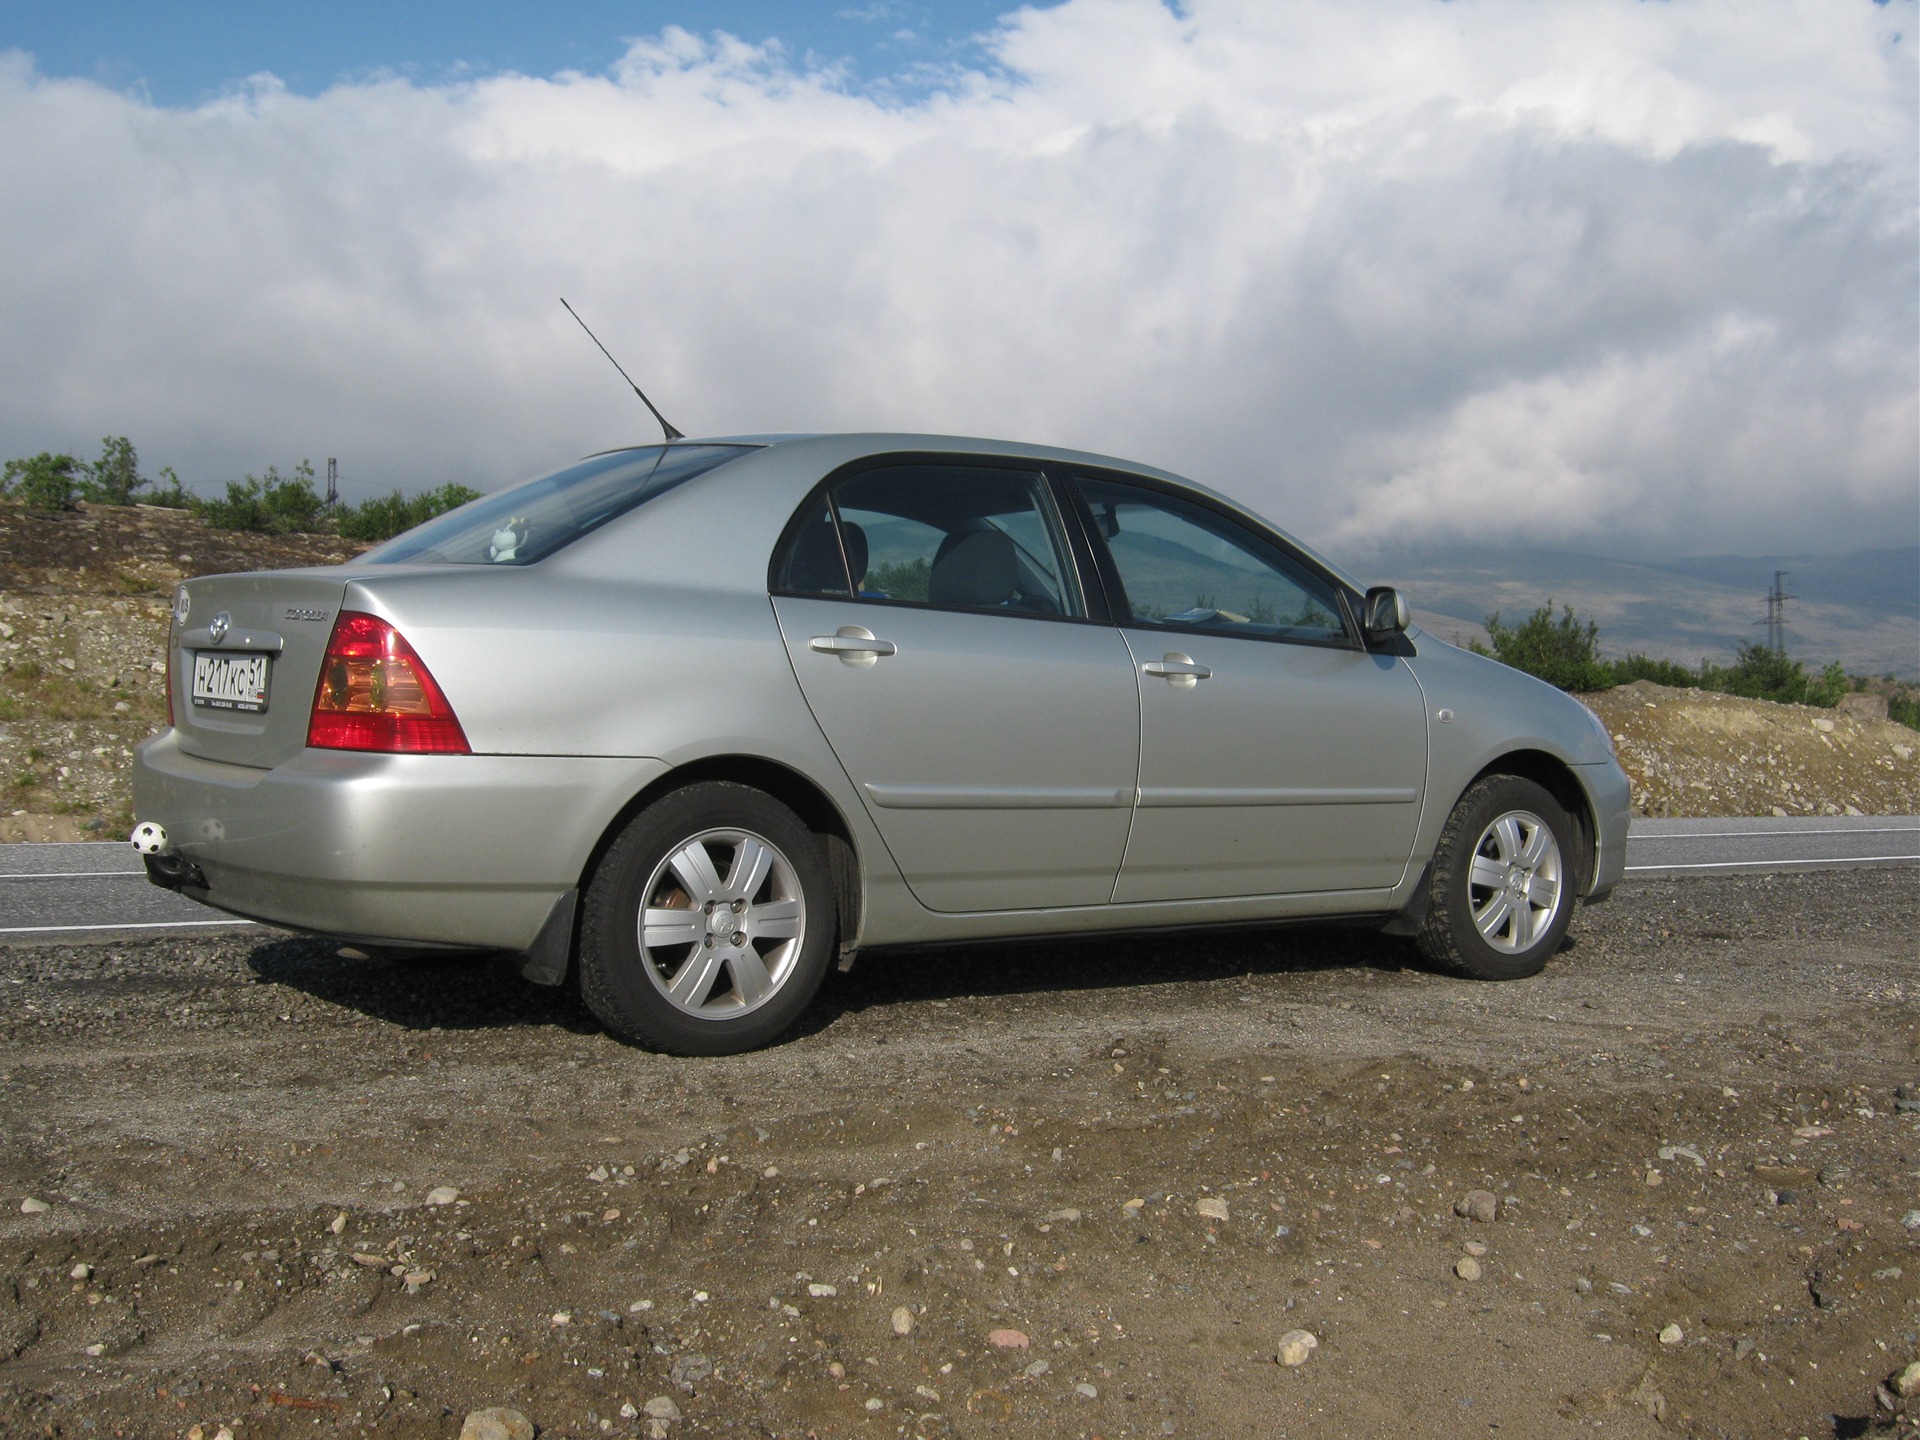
column 953, row 536
column 531, row 520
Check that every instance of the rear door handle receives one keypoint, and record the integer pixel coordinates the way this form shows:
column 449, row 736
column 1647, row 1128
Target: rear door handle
column 1178, row 669
column 854, row 645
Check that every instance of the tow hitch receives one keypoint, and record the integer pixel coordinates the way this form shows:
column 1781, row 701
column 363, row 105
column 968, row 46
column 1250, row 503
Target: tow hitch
column 166, row 866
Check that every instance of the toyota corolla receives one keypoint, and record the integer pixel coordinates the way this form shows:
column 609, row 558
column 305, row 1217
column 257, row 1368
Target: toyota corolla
column 687, row 724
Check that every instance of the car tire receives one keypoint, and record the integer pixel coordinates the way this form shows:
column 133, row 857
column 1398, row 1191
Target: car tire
column 708, row 925
column 1502, row 890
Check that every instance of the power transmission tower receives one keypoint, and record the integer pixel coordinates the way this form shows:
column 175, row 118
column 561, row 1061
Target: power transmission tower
column 333, row 481
column 1776, row 621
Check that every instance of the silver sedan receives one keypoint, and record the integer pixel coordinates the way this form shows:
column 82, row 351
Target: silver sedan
column 693, row 722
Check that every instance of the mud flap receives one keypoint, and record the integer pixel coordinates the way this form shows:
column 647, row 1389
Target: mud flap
column 545, row 962
column 1409, row 920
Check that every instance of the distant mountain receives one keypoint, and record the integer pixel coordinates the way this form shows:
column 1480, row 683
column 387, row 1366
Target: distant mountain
column 1862, row 609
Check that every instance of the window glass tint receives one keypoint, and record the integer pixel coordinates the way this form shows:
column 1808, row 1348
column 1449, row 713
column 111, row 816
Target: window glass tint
column 1187, row 567
column 531, row 520
column 812, row 563
column 955, row 536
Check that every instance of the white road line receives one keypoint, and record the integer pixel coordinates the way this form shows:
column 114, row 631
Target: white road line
column 1771, row 864
column 144, row 925
column 1644, row 839
column 78, row 875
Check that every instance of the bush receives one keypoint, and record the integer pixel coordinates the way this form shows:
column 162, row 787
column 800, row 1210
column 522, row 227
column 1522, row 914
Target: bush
column 113, row 479
column 46, row 482
column 173, row 496
column 1758, row 673
column 1563, row 652
column 1660, row 672
column 1903, row 708
column 271, row 504
column 383, row 517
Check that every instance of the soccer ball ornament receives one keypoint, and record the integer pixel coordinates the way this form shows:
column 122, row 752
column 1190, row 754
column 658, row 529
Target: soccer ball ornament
column 149, row 838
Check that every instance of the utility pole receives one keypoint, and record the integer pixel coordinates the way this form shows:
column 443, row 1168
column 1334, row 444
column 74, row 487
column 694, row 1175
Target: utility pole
column 1776, row 621
column 333, row 481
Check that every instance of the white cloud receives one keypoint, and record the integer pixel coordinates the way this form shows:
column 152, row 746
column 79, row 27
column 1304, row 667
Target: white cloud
column 1601, row 273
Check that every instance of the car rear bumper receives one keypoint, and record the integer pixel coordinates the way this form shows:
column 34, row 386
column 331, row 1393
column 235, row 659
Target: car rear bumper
column 455, row 850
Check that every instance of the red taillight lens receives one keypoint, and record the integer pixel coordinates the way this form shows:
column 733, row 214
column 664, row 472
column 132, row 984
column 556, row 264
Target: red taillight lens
column 374, row 694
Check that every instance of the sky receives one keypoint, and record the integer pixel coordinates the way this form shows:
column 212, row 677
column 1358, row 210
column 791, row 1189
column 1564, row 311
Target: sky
column 1635, row 279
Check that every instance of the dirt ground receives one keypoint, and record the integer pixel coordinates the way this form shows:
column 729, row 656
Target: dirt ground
column 1026, row 1191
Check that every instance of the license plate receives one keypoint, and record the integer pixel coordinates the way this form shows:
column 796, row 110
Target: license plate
column 230, row 682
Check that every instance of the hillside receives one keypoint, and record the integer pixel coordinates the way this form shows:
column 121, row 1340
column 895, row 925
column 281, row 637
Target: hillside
column 83, row 619
column 1861, row 609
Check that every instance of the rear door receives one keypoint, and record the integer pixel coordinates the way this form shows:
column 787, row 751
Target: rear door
column 1277, row 756
column 940, row 634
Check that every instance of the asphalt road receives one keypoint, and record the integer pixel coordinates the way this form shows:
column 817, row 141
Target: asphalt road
column 99, row 889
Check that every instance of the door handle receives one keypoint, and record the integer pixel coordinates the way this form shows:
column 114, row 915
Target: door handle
column 1178, row 669
column 853, row 645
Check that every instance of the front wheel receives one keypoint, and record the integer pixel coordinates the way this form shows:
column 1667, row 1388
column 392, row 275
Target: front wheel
column 708, row 926
column 1502, row 889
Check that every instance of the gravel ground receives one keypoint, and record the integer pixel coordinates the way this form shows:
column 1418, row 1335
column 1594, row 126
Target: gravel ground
column 1046, row 1190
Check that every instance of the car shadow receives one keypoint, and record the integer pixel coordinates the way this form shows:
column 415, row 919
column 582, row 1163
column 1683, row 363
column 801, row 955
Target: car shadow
column 465, row 991
column 447, row 990
column 1088, row 963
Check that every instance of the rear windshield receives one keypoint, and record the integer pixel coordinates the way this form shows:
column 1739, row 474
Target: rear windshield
column 531, row 520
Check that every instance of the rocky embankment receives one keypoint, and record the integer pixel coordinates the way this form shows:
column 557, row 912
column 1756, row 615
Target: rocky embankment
column 1695, row 753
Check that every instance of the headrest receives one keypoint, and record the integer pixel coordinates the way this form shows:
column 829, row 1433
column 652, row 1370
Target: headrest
column 976, row 571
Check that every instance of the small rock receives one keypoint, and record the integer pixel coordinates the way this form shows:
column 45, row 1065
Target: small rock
column 1037, row 1369
column 902, row 1321
column 662, row 1407
column 1672, row 1335
column 31, row 1206
column 1068, row 1216
column 689, row 1370
column 1906, row 1384
column 1582, row 1285
column 1467, row 1268
column 82, row 1271
column 442, row 1195
column 1742, row 1348
column 496, row 1422
column 338, row 1225
column 371, row 1262
column 1211, row 1207
column 1911, row 1220
column 1296, row 1347
column 1834, row 1176
column 822, row 1292
column 1480, row 1205
column 1086, row 1391
column 1007, row 1339
column 417, row 1280
column 1475, row 1248
column 874, row 1402
column 1683, row 1152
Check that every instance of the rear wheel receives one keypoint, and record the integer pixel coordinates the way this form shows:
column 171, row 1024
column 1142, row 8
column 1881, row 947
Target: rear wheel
column 708, row 926
column 1502, row 890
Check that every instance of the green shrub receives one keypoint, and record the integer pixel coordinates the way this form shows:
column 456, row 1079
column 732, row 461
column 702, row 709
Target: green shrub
column 1563, row 652
column 271, row 504
column 1660, row 672
column 385, row 516
column 46, row 481
column 173, row 496
column 1758, row 673
column 113, row 479
column 1903, row 708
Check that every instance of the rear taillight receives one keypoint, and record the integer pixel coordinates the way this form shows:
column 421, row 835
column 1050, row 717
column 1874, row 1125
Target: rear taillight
column 374, row 694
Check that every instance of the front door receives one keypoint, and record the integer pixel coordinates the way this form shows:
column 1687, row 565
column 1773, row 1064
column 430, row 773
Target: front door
column 1277, row 756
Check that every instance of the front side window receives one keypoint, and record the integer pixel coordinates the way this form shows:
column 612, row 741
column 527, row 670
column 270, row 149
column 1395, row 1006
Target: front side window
column 1184, row 566
column 531, row 520
column 957, row 537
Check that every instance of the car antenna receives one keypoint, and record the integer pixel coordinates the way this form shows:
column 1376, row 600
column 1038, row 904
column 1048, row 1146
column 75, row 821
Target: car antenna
column 672, row 434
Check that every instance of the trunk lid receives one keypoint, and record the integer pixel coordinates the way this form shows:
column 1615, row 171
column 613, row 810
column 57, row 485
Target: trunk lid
column 244, row 634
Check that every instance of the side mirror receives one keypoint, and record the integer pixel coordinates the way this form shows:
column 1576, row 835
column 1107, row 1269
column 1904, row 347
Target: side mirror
column 1384, row 614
